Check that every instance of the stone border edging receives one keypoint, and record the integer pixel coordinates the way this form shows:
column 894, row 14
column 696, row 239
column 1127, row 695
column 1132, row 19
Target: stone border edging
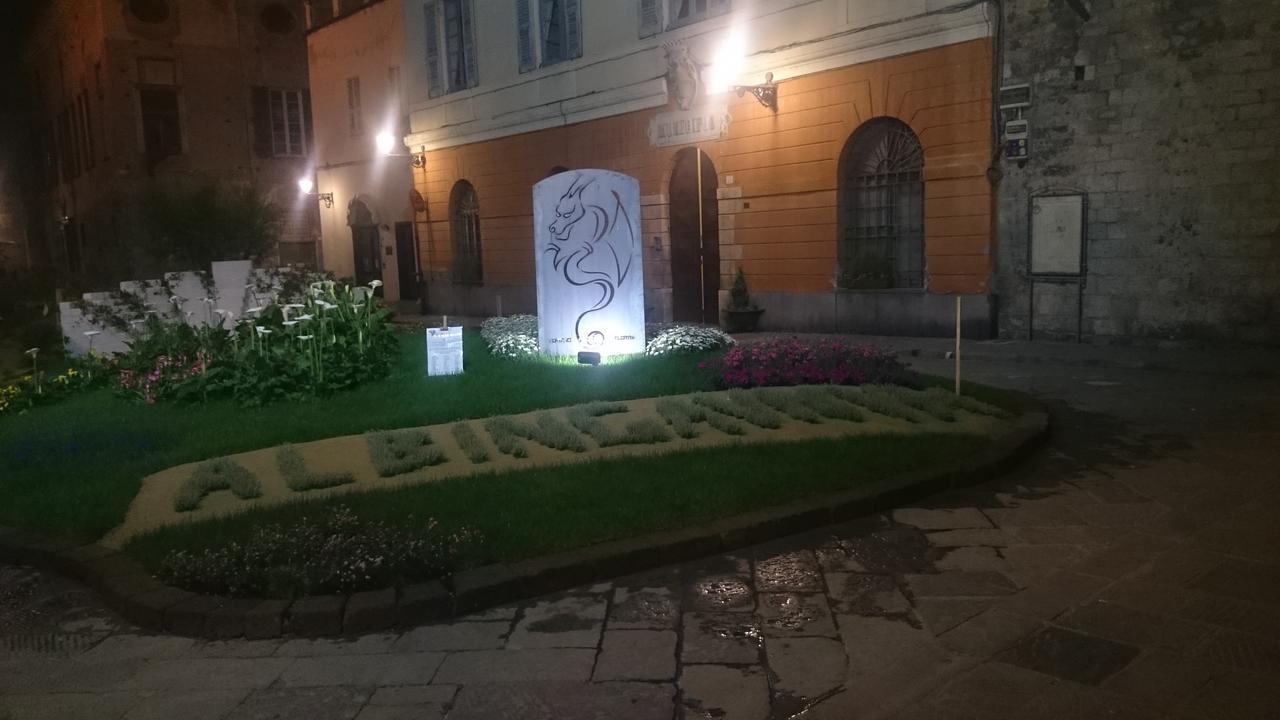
column 134, row 593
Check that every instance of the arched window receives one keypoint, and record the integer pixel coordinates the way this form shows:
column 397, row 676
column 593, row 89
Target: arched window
column 881, row 207
column 464, row 219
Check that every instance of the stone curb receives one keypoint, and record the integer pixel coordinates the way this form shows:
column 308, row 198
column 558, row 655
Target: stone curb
column 128, row 588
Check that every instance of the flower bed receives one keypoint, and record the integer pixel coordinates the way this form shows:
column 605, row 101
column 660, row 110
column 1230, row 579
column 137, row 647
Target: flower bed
column 336, row 552
column 688, row 339
column 792, row 361
column 513, row 336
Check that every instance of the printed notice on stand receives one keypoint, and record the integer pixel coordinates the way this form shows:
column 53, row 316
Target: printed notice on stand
column 444, row 351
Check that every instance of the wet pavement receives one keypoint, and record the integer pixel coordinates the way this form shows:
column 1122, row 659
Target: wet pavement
column 1131, row 569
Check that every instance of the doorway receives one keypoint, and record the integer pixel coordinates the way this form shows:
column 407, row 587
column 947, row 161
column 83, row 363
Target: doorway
column 406, row 261
column 365, row 244
column 695, row 239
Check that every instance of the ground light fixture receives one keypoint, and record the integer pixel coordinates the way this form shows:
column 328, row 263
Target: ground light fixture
column 587, row 357
column 386, row 143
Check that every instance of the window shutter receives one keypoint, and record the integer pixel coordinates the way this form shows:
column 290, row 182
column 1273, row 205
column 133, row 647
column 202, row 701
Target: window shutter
column 718, row 6
column 261, row 123
column 307, row 125
column 469, row 45
column 650, row 18
column 431, row 16
column 524, row 31
column 572, row 29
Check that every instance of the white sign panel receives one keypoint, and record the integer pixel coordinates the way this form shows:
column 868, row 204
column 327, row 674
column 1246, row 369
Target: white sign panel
column 444, row 351
column 681, row 127
column 1056, row 234
column 590, row 269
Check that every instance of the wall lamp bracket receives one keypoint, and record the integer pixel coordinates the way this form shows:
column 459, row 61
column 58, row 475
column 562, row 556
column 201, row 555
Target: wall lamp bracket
column 418, row 159
column 767, row 93
column 326, row 198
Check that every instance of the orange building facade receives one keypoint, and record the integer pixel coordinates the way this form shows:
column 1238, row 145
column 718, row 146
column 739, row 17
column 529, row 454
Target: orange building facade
column 780, row 201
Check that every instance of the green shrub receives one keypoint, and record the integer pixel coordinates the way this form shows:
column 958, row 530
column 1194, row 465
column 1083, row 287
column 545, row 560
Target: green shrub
column 396, row 452
column 969, row 404
column 301, row 479
column 682, row 415
column 820, row 399
column 513, row 336
column 212, row 476
column 789, row 403
column 688, row 339
column 880, row 400
column 335, row 553
column 502, row 431
column 742, row 406
column 471, row 444
column 939, row 406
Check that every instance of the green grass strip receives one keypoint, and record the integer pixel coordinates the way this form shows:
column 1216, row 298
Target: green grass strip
column 396, row 452
column 534, row 511
column 212, row 476
column 293, row 468
column 546, row 429
column 470, row 442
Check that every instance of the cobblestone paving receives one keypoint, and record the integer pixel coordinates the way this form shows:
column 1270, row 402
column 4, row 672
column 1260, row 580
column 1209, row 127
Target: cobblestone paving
column 1123, row 572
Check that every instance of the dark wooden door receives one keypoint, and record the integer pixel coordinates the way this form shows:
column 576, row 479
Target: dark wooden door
column 364, row 239
column 407, row 261
column 695, row 251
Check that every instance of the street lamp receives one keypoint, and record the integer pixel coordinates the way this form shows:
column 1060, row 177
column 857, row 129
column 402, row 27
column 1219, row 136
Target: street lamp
column 307, row 186
column 386, row 143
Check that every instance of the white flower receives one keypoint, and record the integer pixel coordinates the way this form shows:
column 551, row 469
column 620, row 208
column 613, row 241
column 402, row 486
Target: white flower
column 294, row 306
column 261, row 330
column 33, row 352
column 254, row 310
column 209, row 300
column 375, row 284
column 175, row 299
column 302, row 318
column 289, row 323
column 306, row 337
column 91, row 333
column 357, row 306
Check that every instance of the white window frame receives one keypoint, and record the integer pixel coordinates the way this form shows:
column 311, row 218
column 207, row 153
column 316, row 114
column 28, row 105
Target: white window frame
column 440, row 84
column 283, row 107
column 536, row 38
column 667, row 20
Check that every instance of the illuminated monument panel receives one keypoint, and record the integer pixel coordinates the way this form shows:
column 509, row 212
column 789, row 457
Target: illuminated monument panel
column 589, row 264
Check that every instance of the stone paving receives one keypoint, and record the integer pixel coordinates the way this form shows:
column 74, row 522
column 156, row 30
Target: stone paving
column 1125, row 571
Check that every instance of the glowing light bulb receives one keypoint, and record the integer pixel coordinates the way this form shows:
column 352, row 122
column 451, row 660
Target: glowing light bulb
column 305, row 185
column 386, row 143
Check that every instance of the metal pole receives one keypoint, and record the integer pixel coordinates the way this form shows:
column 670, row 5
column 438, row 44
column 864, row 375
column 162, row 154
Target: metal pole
column 958, row 344
column 702, row 270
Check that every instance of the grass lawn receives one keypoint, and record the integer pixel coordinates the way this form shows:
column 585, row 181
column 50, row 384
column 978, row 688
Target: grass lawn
column 533, row 512
column 72, row 468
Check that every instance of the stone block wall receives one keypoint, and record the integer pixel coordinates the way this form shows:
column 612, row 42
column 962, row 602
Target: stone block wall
column 1167, row 114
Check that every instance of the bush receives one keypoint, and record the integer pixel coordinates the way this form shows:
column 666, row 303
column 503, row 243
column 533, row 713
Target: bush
column 334, row 553
column 212, row 476
column 40, row 387
column 327, row 342
column 514, row 336
column 688, row 339
column 795, row 362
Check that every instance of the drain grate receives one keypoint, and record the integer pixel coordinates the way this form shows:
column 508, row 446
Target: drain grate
column 62, row 644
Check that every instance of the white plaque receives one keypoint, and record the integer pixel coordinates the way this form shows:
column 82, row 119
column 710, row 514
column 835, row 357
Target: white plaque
column 1056, row 234
column 586, row 230
column 681, row 127
column 444, row 351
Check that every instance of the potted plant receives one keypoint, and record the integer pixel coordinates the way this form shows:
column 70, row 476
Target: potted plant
column 742, row 315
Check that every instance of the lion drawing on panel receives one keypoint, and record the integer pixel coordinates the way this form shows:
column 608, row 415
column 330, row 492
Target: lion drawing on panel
column 591, row 246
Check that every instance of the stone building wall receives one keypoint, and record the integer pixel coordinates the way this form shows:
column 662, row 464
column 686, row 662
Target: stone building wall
column 1167, row 114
